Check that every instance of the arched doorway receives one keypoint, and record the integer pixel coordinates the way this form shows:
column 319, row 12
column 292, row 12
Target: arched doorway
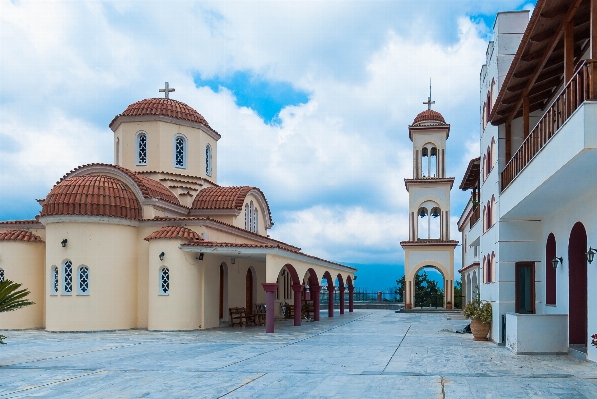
column 249, row 292
column 577, row 286
column 429, row 287
column 223, row 294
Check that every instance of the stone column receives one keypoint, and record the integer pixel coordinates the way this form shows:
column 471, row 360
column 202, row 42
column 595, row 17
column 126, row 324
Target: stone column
column 330, row 301
column 350, row 299
column 297, row 288
column 315, row 290
column 270, row 299
column 342, row 289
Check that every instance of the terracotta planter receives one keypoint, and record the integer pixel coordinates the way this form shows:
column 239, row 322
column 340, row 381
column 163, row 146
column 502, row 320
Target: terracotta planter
column 448, row 306
column 479, row 330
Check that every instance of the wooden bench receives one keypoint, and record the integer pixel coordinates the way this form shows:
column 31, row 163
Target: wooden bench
column 307, row 309
column 237, row 316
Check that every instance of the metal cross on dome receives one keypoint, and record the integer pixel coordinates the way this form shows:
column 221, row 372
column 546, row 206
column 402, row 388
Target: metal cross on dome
column 167, row 90
column 429, row 102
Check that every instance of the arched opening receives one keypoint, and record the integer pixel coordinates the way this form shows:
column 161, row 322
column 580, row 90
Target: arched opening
column 429, row 287
column 469, row 287
column 328, row 281
column 223, row 297
column 550, row 271
column 474, row 285
column 429, row 161
column 432, row 162
column 423, row 223
column 424, row 160
column 435, row 223
column 577, row 285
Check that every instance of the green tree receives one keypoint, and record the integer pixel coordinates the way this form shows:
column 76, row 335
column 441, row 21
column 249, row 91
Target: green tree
column 427, row 292
column 458, row 295
column 12, row 298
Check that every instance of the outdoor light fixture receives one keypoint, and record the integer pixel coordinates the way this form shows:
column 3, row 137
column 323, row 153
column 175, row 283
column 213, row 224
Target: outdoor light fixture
column 201, row 256
column 354, row 278
column 555, row 261
column 63, row 242
column 162, row 256
column 232, row 260
column 591, row 254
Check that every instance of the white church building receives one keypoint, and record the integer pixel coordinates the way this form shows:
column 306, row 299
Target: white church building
column 152, row 241
column 530, row 233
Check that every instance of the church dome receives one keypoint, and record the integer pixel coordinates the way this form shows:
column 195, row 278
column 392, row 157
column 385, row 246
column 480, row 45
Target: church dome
column 429, row 116
column 92, row 195
column 164, row 107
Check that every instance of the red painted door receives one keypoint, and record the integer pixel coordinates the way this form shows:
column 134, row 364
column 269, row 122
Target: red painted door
column 577, row 289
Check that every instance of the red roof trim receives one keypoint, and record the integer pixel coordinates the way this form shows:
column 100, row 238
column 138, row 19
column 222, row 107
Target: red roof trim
column 20, row 235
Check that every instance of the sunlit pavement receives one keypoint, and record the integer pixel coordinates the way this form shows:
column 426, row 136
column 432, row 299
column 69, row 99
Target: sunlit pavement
column 366, row 354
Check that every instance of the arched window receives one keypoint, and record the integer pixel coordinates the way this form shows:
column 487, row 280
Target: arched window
column 492, row 275
column 484, row 218
column 255, row 220
column 484, row 269
column 141, row 148
column 424, row 154
column 246, row 216
column 489, row 213
column 493, row 94
column 484, row 170
column 432, row 162
column 67, row 271
column 83, row 280
column 493, row 153
column 164, row 281
column 180, row 151
column 117, row 156
column 54, row 280
column 208, row 160
column 550, row 272
column 492, row 217
column 1, row 275
column 423, row 225
column 429, row 166
column 251, row 215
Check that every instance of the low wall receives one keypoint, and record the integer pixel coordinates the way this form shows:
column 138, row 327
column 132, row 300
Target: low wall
column 537, row 333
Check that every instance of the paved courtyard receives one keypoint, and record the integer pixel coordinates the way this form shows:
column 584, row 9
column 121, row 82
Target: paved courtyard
column 367, row 354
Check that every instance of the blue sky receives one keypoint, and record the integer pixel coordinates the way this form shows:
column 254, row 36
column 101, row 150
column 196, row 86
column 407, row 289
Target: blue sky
column 312, row 99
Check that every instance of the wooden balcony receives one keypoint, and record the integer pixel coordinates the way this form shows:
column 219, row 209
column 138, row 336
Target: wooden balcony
column 581, row 87
column 475, row 216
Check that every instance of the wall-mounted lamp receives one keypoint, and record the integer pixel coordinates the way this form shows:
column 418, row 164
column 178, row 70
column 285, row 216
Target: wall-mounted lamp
column 556, row 260
column 162, row 256
column 232, row 260
column 200, row 256
column 354, row 278
column 591, row 254
column 63, row 242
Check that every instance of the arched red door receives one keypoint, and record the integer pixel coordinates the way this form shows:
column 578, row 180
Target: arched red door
column 577, row 285
column 249, row 291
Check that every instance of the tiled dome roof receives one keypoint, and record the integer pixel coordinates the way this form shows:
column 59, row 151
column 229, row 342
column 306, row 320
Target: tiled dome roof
column 165, row 107
column 174, row 232
column 92, row 195
column 221, row 198
column 19, row 235
column 429, row 115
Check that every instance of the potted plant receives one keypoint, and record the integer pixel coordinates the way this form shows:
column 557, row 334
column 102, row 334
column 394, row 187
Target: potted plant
column 480, row 313
column 449, row 305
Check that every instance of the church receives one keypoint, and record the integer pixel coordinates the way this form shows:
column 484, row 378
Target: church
column 152, row 241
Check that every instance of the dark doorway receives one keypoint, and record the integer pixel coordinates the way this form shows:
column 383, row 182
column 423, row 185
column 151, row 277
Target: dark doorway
column 221, row 292
column 577, row 285
column 525, row 287
column 249, row 291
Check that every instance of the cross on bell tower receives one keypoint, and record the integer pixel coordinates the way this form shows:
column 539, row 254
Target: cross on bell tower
column 429, row 102
column 167, row 90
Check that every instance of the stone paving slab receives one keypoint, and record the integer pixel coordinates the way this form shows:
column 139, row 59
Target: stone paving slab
column 367, row 354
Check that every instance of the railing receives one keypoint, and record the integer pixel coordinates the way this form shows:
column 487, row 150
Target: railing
column 476, row 215
column 429, row 301
column 581, row 87
column 360, row 296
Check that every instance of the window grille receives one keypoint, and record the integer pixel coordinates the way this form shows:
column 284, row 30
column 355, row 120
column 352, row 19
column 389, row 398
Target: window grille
column 251, row 216
column 164, row 281
column 83, row 280
column 208, row 160
column 246, row 216
column 179, row 150
column 255, row 213
column 1, row 275
column 68, row 277
column 142, row 149
column 55, row 281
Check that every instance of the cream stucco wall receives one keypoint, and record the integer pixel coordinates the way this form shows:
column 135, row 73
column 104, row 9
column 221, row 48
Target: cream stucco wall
column 110, row 252
column 23, row 263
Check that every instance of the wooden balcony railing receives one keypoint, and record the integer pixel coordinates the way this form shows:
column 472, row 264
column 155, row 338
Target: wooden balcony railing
column 581, row 87
column 475, row 216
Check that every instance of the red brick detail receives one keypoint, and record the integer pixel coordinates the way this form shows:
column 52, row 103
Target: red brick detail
column 92, row 195
column 174, row 232
column 149, row 188
column 165, row 107
column 221, row 198
column 19, row 235
column 429, row 115
column 34, row 221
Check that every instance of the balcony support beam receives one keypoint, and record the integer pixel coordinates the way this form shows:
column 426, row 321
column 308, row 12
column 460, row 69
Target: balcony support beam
column 508, row 142
column 525, row 116
column 568, row 51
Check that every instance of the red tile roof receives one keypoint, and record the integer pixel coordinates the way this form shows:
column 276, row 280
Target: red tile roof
column 92, row 195
column 34, row 221
column 19, row 235
column 221, row 198
column 149, row 188
column 165, row 107
column 428, row 116
column 174, row 232
column 147, row 172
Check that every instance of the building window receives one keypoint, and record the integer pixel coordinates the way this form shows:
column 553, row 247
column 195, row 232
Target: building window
column 83, row 277
column 550, row 272
column 180, row 151
column 68, row 277
column 208, row 160
column 141, row 148
column 55, row 281
column 164, row 281
column 255, row 220
column 1, row 275
column 251, row 210
column 246, row 216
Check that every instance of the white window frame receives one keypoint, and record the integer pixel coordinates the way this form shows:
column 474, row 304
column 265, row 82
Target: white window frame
column 208, row 165
column 65, row 264
column 251, row 213
column 184, row 150
column 160, row 288
column 255, row 218
column 79, row 290
column 54, row 280
column 137, row 147
column 246, row 216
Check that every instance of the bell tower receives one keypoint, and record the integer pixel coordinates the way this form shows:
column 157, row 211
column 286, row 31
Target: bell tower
column 429, row 243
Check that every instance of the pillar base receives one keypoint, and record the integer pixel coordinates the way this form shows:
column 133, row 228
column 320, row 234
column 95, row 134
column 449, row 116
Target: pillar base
column 408, row 306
